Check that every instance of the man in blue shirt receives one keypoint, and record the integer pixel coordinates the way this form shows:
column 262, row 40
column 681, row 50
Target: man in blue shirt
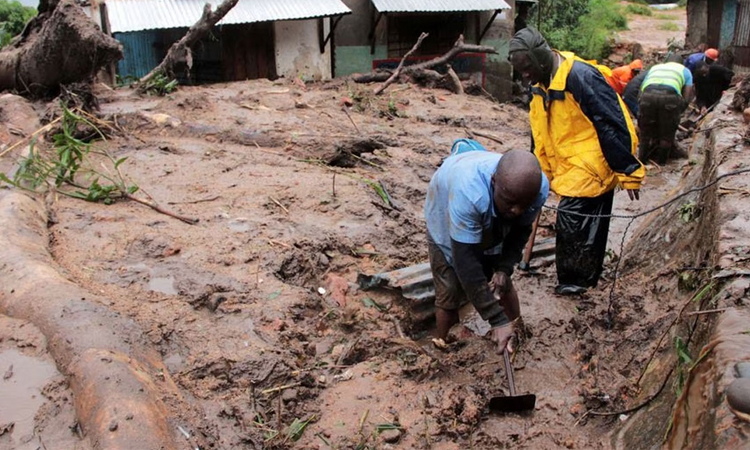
column 708, row 57
column 480, row 209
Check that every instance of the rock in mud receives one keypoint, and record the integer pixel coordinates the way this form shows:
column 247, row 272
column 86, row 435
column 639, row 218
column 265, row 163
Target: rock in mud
column 738, row 397
column 743, row 369
column 391, row 436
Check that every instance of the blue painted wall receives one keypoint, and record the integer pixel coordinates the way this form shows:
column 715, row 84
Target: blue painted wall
column 140, row 55
column 728, row 19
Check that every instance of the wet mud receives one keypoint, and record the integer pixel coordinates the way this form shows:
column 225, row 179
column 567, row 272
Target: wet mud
column 255, row 313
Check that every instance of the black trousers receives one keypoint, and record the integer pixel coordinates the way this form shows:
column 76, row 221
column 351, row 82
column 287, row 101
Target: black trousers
column 659, row 115
column 581, row 242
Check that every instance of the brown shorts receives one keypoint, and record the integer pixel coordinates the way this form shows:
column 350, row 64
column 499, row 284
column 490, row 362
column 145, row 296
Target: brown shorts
column 449, row 294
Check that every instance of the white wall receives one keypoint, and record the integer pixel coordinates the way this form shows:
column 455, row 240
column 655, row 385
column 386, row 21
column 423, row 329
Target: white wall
column 298, row 52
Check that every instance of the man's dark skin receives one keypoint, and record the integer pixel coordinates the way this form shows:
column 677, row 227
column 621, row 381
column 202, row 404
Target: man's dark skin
column 516, row 183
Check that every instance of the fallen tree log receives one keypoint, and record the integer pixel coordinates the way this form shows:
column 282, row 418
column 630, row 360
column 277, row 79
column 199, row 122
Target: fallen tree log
column 180, row 51
column 403, row 72
column 59, row 47
column 123, row 395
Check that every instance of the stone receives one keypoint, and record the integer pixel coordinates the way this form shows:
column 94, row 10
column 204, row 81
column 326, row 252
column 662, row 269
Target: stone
column 338, row 288
column 391, row 436
column 738, row 397
column 288, row 395
column 113, row 426
column 743, row 369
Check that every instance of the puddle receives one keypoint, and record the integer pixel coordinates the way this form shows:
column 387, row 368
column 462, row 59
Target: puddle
column 164, row 285
column 239, row 225
column 22, row 389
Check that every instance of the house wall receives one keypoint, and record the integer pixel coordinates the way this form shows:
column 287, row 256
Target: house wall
column 352, row 41
column 728, row 19
column 353, row 48
column 499, row 75
column 298, row 52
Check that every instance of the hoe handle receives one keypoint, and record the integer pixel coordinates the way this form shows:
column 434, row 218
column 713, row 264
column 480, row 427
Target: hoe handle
column 509, row 371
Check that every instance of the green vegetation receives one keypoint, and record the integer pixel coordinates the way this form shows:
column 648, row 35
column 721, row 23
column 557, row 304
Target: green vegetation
column 641, row 10
column 663, row 17
column 669, row 26
column 159, row 85
column 584, row 27
column 13, row 17
column 69, row 169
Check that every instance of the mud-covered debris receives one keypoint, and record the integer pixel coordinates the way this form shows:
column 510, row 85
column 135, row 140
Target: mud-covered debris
column 338, row 288
column 8, row 373
column 113, row 426
column 7, row 428
column 391, row 436
column 348, row 153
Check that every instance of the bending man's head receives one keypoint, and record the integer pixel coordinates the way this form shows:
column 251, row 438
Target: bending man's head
column 516, row 183
column 531, row 56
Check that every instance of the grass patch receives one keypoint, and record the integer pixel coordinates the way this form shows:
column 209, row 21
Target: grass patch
column 663, row 17
column 669, row 26
column 641, row 10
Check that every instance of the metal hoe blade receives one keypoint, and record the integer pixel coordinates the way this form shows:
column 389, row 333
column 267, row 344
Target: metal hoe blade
column 512, row 402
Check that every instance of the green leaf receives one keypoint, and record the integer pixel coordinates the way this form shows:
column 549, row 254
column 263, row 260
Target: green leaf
column 274, row 295
column 297, row 428
column 132, row 189
column 120, row 161
column 370, row 303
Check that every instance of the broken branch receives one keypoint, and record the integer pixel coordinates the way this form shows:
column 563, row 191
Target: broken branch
column 181, row 50
column 397, row 72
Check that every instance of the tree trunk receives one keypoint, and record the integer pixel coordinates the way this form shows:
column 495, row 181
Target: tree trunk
column 60, row 47
column 180, row 50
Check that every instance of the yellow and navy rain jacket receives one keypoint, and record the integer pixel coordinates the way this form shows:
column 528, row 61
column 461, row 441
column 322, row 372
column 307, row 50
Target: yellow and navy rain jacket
column 584, row 138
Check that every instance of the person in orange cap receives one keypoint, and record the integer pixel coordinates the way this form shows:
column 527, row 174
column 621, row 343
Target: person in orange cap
column 709, row 57
column 621, row 76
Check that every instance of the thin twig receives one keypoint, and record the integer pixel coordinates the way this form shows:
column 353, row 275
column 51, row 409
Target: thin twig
column 156, row 207
column 706, row 311
column 280, row 388
column 41, row 130
column 484, row 135
column 279, row 204
column 346, row 111
column 191, row 202
column 334, row 184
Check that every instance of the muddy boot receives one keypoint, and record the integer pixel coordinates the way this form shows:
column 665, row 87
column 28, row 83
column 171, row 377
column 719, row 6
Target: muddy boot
column 569, row 289
column 738, row 397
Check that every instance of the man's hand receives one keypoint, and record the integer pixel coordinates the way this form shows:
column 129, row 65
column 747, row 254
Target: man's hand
column 499, row 284
column 634, row 194
column 502, row 337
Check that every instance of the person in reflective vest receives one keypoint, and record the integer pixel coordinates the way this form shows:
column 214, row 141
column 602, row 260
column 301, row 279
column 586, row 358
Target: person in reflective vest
column 665, row 93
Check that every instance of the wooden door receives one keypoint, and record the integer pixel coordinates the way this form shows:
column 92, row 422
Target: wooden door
column 248, row 51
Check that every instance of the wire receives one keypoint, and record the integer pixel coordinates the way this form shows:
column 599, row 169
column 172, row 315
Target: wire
column 655, row 208
column 632, row 218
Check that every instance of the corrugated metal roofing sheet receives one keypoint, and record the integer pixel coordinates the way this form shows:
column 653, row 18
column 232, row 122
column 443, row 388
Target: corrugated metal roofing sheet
column 136, row 15
column 438, row 5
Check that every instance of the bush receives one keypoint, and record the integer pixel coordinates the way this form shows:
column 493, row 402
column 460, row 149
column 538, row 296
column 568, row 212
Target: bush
column 13, row 17
column 584, row 27
column 640, row 10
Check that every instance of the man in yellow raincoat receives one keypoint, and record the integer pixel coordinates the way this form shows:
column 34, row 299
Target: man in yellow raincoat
column 586, row 144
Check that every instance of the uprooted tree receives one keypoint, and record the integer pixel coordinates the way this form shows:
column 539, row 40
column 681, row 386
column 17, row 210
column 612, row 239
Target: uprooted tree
column 181, row 51
column 59, row 46
column 424, row 72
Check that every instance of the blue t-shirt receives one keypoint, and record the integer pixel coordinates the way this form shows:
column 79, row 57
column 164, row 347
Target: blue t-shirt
column 459, row 202
column 692, row 60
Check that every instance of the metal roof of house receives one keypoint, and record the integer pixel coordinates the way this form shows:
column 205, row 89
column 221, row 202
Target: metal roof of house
column 137, row 15
column 384, row 6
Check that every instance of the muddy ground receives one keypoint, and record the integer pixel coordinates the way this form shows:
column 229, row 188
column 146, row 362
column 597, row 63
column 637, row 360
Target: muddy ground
column 281, row 180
